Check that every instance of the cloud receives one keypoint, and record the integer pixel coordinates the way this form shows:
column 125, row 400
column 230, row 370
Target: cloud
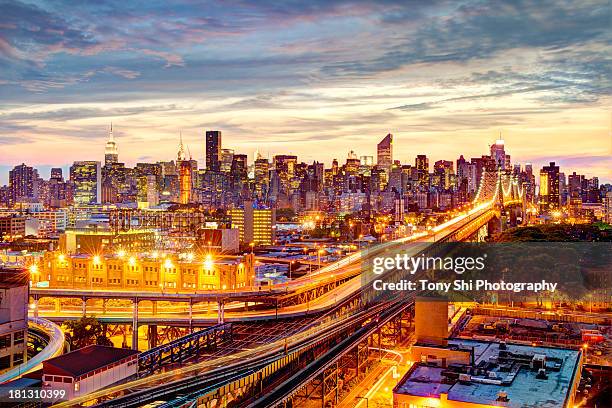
column 331, row 72
column 67, row 114
column 170, row 58
column 125, row 73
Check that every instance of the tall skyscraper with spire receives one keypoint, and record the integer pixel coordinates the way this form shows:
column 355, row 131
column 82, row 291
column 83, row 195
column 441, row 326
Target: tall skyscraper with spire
column 498, row 153
column 181, row 151
column 111, row 154
column 384, row 149
column 185, row 174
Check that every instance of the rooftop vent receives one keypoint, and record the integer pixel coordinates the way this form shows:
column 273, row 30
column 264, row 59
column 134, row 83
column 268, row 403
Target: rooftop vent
column 502, row 396
column 465, row 378
column 541, row 375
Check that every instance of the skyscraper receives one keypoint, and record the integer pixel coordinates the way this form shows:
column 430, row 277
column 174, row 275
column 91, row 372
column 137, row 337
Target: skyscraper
column 213, row 150
column 444, row 170
column 255, row 225
column 498, row 153
column 262, row 177
column 184, row 168
column 285, row 168
column 239, row 169
column 384, row 150
column 225, row 160
column 87, row 179
column 111, row 154
column 422, row 168
column 549, row 188
column 22, row 183
column 574, row 185
column 57, row 174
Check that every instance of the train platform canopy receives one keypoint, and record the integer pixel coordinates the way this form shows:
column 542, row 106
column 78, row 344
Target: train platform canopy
column 85, row 360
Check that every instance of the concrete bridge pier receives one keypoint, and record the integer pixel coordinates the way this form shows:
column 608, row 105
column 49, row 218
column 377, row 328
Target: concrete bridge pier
column 135, row 325
column 220, row 312
column 190, row 315
column 494, row 226
column 35, row 306
column 152, row 335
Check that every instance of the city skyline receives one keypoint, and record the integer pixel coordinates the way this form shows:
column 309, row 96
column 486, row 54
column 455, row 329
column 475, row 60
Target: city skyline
column 314, row 80
column 45, row 170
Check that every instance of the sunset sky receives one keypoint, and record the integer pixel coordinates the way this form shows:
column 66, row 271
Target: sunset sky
column 314, row 78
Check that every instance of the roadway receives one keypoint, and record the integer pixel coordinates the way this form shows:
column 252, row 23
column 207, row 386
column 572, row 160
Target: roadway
column 349, row 266
column 246, row 361
column 54, row 348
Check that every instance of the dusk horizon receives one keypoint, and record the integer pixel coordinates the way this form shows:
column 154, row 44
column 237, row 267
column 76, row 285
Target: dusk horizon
column 316, row 80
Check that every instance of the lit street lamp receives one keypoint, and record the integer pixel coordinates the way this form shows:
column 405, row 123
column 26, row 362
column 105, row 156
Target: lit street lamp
column 290, row 263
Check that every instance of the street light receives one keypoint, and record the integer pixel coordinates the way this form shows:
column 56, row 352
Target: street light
column 208, row 263
column 290, row 263
column 252, row 245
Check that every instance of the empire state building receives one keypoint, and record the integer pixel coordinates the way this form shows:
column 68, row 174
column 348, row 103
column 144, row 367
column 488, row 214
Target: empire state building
column 111, row 154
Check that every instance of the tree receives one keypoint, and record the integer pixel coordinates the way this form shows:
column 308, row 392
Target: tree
column 84, row 332
column 285, row 214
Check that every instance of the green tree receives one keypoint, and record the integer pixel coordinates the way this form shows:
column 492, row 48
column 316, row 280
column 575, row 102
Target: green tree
column 285, row 214
column 84, row 332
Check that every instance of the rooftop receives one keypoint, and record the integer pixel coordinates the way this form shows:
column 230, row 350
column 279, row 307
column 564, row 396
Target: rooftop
column 13, row 276
column 86, row 359
column 497, row 370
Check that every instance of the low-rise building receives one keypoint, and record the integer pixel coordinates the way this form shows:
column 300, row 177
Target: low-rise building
column 88, row 369
column 218, row 240
column 14, row 292
column 460, row 373
column 150, row 271
column 479, row 374
column 50, row 223
column 97, row 240
column 12, row 227
column 608, row 207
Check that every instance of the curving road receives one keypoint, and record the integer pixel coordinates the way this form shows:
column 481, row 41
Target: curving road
column 54, row 348
column 349, row 266
column 254, row 357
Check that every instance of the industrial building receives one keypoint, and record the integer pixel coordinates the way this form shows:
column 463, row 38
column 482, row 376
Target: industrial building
column 97, row 240
column 458, row 373
column 468, row 373
column 147, row 271
column 14, row 292
column 256, row 225
column 12, row 227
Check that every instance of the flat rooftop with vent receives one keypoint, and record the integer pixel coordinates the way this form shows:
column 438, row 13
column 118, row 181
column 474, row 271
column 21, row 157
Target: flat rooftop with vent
column 469, row 373
column 453, row 373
